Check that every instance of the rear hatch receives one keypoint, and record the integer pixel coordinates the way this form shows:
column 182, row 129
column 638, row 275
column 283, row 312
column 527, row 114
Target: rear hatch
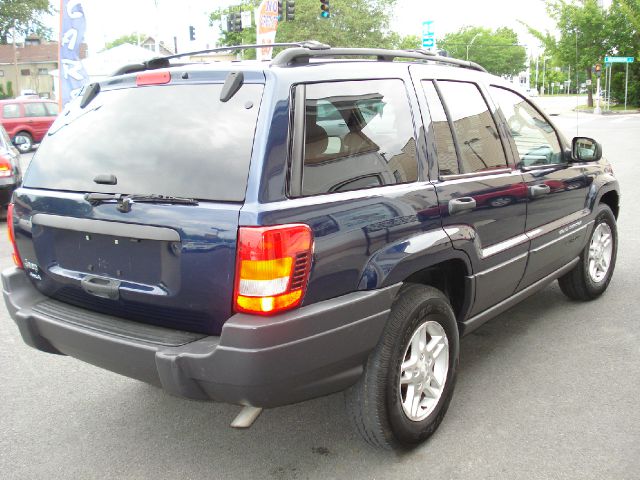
column 130, row 205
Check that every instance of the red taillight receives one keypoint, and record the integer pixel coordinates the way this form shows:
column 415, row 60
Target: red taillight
column 153, row 78
column 6, row 170
column 12, row 237
column 272, row 268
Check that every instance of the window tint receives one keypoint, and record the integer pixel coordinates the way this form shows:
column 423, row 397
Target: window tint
column 357, row 135
column 534, row 139
column 445, row 148
column 133, row 133
column 11, row 110
column 475, row 131
column 34, row 110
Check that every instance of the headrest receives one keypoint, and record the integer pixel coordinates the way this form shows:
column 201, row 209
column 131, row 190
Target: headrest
column 316, row 143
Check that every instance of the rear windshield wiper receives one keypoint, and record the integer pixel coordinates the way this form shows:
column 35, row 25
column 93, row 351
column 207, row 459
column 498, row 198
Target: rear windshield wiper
column 125, row 201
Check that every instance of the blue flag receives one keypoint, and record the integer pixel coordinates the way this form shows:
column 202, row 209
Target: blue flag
column 73, row 76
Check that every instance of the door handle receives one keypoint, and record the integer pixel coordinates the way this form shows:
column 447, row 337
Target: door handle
column 539, row 190
column 461, row 204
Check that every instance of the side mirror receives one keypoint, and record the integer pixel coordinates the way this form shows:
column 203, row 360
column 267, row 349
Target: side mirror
column 585, row 149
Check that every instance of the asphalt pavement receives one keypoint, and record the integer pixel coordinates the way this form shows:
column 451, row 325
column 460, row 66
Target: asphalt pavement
column 549, row 389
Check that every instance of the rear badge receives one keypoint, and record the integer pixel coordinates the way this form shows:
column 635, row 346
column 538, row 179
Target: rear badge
column 32, row 269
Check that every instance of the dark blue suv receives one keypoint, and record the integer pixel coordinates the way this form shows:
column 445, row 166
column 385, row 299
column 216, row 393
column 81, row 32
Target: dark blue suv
column 335, row 219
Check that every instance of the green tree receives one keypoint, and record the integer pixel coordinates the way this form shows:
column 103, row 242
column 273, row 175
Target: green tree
column 24, row 16
column 357, row 23
column 624, row 26
column 498, row 51
column 583, row 39
column 131, row 39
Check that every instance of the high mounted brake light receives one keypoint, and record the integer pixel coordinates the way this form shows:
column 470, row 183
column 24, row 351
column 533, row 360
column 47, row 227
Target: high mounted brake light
column 272, row 268
column 153, row 78
column 12, row 238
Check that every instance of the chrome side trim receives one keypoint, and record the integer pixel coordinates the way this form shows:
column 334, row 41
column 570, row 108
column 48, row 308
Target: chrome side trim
column 556, row 224
column 505, row 245
column 103, row 227
column 559, row 239
column 460, row 176
column 502, row 265
column 468, row 233
column 476, row 321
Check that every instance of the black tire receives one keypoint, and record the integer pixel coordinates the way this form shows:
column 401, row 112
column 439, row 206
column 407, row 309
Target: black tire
column 578, row 284
column 374, row 403
column 28, row 145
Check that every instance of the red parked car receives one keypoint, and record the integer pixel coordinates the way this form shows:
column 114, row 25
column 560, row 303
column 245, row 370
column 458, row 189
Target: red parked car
column 26, row 120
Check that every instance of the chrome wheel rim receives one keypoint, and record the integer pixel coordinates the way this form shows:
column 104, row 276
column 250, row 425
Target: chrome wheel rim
column 423, row 371
column 600, row 252
column 24, row 147
column 501, row 201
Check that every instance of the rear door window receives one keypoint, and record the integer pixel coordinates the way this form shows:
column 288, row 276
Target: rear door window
column 34, row 110
column 475, row 130
column 177, row 140
column 357, row 135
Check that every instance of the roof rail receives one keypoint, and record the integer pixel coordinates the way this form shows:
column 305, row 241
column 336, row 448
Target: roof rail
column 163, row 62
column 296, row 56
column 301, row 52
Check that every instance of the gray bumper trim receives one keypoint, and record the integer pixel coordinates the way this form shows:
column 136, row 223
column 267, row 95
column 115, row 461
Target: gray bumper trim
column 259, row 361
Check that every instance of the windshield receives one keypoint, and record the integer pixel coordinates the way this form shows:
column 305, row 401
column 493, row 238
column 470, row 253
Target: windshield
column 176, row 140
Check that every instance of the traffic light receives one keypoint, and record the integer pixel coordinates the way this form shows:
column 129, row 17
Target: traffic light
column 280, row 9
column 192, row 33
column 234, row 22
column 324, row 9
column 291, row 10
column 598, row 70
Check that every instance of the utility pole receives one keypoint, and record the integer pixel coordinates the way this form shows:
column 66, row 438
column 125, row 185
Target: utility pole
column 537, row 60
column 16, row 92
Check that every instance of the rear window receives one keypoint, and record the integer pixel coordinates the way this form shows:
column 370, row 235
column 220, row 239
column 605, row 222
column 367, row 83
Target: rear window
column 176, row 140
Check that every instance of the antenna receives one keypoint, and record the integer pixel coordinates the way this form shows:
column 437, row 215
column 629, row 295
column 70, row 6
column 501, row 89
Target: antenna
column 577, row 85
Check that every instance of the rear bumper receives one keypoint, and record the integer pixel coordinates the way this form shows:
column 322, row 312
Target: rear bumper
column 263, row 362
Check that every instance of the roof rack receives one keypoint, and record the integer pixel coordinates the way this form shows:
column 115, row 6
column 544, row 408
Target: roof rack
column 296, row 56
column 301, row 52
column 163, row 62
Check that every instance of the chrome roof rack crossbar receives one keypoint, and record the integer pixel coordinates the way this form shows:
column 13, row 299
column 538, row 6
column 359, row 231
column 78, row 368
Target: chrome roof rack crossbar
column 296, row 56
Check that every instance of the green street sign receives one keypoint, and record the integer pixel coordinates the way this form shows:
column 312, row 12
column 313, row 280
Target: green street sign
column 618, row 59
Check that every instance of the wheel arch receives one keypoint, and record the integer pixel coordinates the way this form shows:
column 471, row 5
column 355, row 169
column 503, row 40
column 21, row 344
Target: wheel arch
column 428, row 259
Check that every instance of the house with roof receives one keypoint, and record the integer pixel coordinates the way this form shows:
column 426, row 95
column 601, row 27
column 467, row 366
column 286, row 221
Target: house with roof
column 26, row 66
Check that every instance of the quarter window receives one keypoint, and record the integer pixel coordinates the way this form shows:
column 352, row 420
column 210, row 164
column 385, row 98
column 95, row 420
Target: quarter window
column 11, row 110
column 533, row 137
column 357, row 135
column 475, row 131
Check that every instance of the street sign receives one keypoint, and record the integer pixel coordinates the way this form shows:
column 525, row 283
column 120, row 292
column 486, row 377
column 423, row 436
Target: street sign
column 618, row 59
column 428, row 35
column 588, row 82
column 246, row 19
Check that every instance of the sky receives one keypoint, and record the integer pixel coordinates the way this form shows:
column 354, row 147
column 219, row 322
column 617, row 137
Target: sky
column 107, row 20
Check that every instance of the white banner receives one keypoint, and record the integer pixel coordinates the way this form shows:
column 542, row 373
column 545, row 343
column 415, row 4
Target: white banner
column 266, row 27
